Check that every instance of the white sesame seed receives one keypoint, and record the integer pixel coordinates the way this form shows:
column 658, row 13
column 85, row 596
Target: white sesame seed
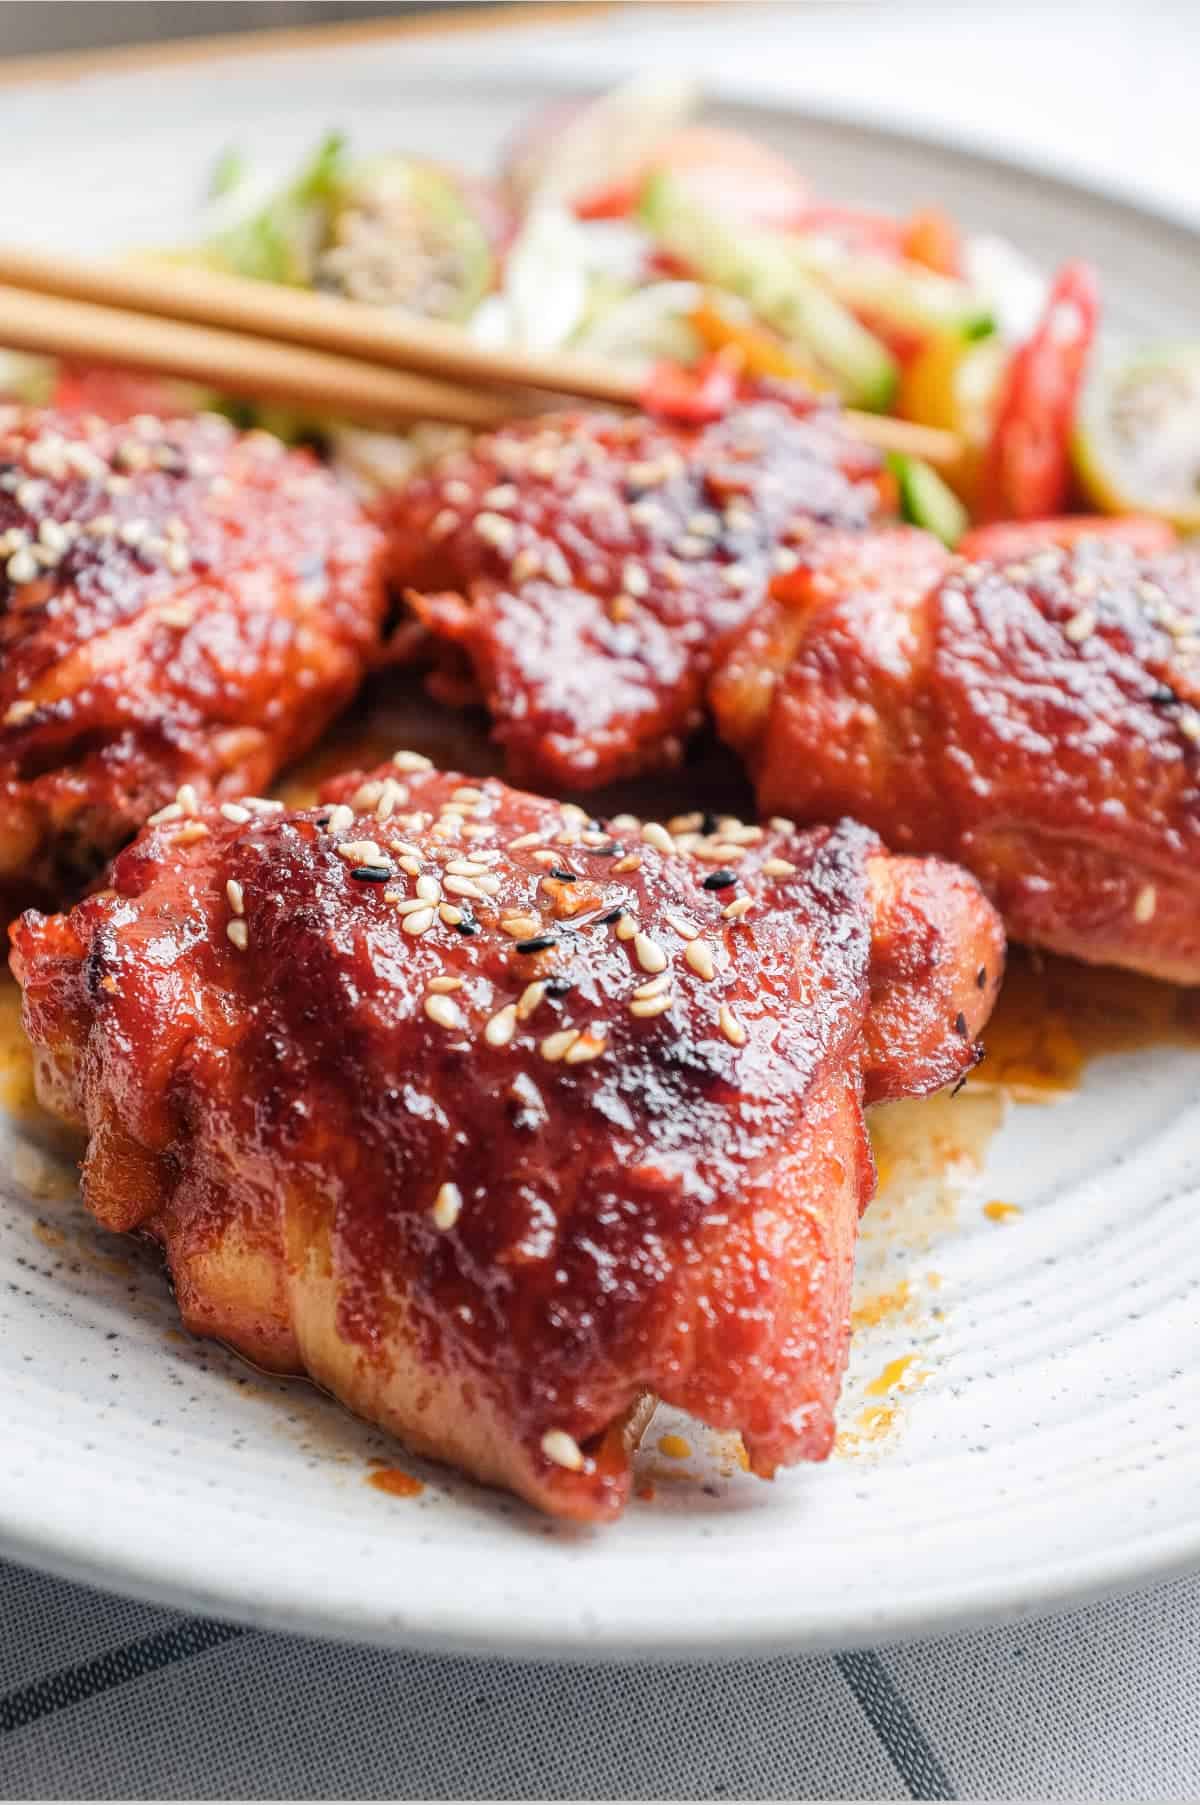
column 262, row 805
column 449, row 914
column 631, row 862
column 341, row 816
column 490, row 884
column 444, row 986
column 556, row 567
column 428, row 889
column 649, row 954
column 557, row 1045
column 736, row 577
column 626, row 926
column 177, row 614
column 588, row 1046
column 651, row 1006
column 447, row 1206
column 563, row 1450
column 1080, row 626
column 504, row 495
column 441, row 1010
column 465, row 886
column 730, row 1026
column 687, row 930
column 19, row 711
column 391, row 795
column 1146, row 903
column 519, row 927
column 233, row 811
column 654, row 987
column 407, row 905
column 187, row 799
column 22, row 567
column 133, row 532
column 718, row 852
column 443, row 523
column 1189, row 725
column 656, row 835
column 530, row 999
column 783, row 560
column 190, row 833
column 170, row 812
column 778, row 868
column 524, row 842
column 411, row 866
column 236, row 895
column 495, row 529
column 366, row 795
column 411, row 761
column 502, row 1026
column 698, row 954
column 526, row 564
column 741, row 905
column 418, row 921
column 362, row 852
column 239, row 933
column 635, row 580
column 457, row 491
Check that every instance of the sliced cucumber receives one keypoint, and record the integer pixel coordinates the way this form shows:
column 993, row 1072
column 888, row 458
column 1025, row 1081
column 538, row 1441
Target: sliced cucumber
column 900, row 295
column 925, row 500
column 759, row 267
column 1137, row 441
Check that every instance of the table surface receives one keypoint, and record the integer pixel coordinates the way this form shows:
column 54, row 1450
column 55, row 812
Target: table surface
column 101, row 1697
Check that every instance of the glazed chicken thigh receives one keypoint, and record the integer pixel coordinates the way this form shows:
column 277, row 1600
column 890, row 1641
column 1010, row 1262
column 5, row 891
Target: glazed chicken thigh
column 178, row 605
column 588, row 567
column 1037, row 720
column 492, row 1117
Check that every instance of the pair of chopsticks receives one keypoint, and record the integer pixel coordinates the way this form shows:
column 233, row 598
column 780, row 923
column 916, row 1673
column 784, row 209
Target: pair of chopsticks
column 315, row 352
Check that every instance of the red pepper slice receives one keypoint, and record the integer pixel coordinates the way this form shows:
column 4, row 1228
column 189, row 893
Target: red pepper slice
column 1010, row 539
column 1027, row 467
column 693, row 396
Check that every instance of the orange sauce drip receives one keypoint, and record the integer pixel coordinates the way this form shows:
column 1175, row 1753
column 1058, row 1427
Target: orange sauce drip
column 17, row 1094
column 675, row 1447
column 892, row 1377
column 995, row 1211
column 395, row 1482
column 1054, row 1016
column 881, row 1307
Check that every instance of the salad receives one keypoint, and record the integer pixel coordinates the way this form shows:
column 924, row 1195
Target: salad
column 624, row 228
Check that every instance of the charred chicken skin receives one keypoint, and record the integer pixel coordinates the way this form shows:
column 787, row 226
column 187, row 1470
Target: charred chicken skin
column 493, row 1118
column 1037, row 721
column 590, row 566
column 178, row 605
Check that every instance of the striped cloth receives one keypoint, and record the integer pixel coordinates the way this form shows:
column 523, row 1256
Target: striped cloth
column 104, row 1698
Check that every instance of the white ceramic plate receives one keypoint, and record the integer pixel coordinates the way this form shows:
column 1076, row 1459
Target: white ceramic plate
column 1020, row 1422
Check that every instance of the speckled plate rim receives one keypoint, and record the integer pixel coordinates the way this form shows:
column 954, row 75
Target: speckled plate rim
column 65, row 1536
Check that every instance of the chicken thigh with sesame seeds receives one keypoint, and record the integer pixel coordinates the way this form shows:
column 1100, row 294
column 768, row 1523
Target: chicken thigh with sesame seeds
column 179, row 606
column 589, row 566
column 557, row 1115
column 1039, row 721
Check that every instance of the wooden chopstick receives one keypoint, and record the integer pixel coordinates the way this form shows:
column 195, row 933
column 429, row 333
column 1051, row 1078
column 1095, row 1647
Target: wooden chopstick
column 338, row 356
column 375, row 334
column 233, row 364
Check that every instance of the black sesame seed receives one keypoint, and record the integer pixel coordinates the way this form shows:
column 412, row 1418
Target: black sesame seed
column 959, row 1085
column 1165, row 696
column 468, row 924
column 610, row 915
column 720, row 880
column 538, row 944
column 708, row 822
column 372, row 874
column 960, row 1023
column 606, row 852
column 563, row 875
column 981, row 977
column 322, row 820
column 558, row 987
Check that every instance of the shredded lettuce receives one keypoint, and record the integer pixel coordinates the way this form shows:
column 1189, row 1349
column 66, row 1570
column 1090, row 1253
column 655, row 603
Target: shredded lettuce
column 273, row 237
